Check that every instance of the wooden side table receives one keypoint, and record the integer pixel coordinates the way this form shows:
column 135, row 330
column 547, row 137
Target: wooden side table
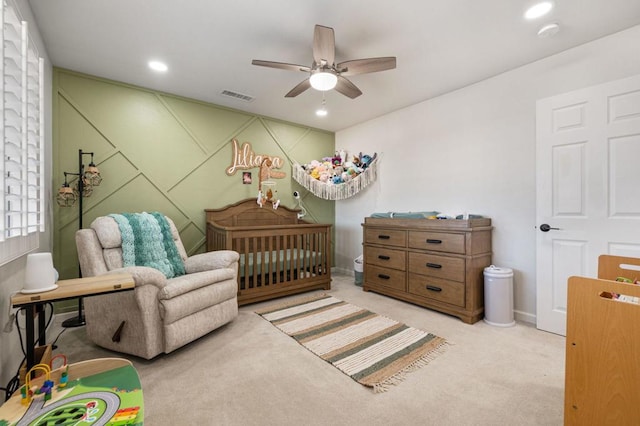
column 67, row 289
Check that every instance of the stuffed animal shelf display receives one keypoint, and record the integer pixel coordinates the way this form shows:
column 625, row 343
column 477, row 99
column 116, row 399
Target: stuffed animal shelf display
column 337, row 177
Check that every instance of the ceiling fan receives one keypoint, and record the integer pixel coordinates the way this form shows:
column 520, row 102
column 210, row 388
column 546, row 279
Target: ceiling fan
column 324, row 74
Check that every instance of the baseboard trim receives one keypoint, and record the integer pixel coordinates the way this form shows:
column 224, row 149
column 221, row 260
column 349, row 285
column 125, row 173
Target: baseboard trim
column 525, row 317
column 343, row 271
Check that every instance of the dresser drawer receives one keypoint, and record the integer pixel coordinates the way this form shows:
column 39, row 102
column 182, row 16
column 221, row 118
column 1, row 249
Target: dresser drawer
column 391, row 278
column 448, row 268
column 385, row 257
column 437, row 241
column 388, row 237
column 437, row 289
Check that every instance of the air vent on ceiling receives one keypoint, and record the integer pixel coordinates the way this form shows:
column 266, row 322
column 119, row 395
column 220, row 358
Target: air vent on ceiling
column 237, row 95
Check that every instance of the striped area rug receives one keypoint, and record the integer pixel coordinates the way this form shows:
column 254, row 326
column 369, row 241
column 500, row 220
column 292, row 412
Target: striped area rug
column 374, row 350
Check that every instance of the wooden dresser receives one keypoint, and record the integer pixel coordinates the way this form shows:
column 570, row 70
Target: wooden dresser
column 436, row 263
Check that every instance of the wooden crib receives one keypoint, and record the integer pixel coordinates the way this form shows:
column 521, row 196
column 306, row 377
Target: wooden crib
column 279, row 253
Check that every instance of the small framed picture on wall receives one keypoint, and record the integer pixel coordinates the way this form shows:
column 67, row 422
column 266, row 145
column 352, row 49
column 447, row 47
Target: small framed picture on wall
column 246, row 178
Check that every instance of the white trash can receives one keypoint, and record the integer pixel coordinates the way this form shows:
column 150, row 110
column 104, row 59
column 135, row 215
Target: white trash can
column 498, row 296
column 358, row 269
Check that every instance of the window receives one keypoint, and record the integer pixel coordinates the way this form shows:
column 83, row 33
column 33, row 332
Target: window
column 21, row 149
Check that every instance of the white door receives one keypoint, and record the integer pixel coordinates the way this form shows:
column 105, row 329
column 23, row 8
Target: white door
column 588, row 187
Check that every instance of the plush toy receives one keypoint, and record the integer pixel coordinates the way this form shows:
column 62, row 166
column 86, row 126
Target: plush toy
column 338, row 169
column 366, row 160
column 343, row 156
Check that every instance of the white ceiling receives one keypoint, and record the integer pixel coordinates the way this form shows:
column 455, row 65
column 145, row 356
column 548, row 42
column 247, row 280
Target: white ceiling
column 440, row 45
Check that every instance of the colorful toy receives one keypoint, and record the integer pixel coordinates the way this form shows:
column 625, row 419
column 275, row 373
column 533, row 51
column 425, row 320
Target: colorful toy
column 27, row 393
column 64, row 376
column 110, row 395
column 125, row 416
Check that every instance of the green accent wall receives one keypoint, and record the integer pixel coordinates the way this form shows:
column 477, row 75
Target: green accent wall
column 160, row 152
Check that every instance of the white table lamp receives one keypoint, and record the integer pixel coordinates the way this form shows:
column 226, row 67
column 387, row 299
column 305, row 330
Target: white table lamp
column 40, row 274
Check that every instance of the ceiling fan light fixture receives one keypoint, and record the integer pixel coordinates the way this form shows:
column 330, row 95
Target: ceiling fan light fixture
column 324, row 74
column 323, row 80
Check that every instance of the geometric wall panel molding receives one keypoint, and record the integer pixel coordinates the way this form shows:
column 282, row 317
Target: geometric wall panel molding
column 159, row 152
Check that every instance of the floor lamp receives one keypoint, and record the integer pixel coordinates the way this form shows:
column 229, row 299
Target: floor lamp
column 67, row 197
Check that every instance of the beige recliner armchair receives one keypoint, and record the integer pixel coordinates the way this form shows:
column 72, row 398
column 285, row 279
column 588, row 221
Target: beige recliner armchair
column 161, row 314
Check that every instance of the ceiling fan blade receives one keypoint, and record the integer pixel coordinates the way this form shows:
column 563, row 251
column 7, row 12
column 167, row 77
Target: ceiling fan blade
column 324, row 45
column 362, row 66
column 347, row 88
column 301, row 87
column 280, row 65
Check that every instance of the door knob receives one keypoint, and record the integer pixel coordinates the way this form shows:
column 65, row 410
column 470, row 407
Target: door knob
column 546, row 228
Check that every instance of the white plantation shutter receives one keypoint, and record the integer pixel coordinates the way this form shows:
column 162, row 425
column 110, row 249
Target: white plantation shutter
column 35, row 142
column 21, row 165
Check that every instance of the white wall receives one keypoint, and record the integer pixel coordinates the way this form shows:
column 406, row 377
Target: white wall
column 12, row 274
column 473, row 150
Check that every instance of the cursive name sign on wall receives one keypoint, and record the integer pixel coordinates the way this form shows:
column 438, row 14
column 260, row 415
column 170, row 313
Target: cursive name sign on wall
column 244, row 158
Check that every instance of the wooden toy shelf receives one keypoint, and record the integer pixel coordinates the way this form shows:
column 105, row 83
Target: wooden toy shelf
column 603, row 347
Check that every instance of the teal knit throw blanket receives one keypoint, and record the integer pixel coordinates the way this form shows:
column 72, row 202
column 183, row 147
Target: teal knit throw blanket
column 147, row 241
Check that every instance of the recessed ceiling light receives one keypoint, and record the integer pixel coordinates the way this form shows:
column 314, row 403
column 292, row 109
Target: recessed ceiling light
column 548, row 30
column 158, row 66
column 322, row 111
column 538, row 10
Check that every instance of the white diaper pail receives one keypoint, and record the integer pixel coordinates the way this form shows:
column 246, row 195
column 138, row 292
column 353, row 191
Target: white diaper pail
column 498, row 296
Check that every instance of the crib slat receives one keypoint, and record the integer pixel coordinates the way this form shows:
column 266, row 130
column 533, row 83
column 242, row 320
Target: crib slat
column 264, row 262
column 277, row 268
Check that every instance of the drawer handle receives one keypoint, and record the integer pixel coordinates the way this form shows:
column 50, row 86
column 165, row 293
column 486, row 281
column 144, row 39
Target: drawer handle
column 434, row 265
column 430, row 241
column 433, row 288
column 383, row 276
column 383, row 237
column 383, row 257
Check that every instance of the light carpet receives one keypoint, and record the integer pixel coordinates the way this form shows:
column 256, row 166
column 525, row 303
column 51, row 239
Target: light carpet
column 373, row 350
